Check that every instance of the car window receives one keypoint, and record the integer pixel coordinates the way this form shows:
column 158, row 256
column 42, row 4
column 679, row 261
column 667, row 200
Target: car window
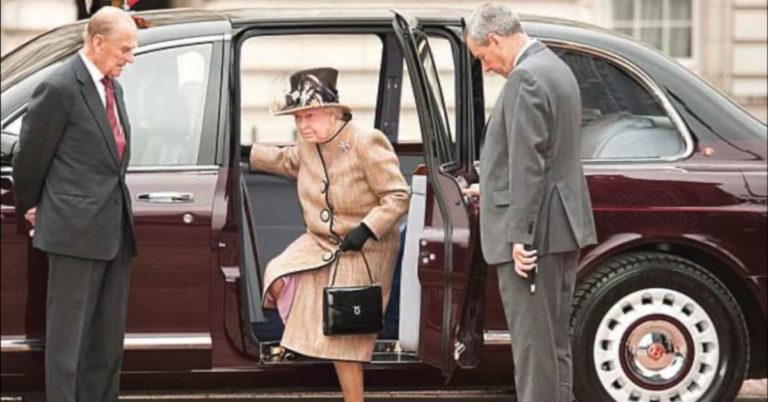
column 266, row 62
column 621, row 118
column 165, row 93
column 442, row 57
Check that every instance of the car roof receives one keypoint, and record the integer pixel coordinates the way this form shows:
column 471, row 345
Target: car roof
column 244, row 16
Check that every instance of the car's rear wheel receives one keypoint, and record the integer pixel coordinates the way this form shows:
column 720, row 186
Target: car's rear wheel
column 653, row 327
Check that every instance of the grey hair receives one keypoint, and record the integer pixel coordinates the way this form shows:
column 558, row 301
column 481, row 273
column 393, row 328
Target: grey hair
column 106, row 21
column 492, row 18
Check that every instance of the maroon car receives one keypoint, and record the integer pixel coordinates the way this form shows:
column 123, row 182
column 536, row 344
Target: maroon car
column 670, row 304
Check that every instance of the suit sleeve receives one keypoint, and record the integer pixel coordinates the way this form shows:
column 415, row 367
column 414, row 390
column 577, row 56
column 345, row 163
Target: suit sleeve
column 526, row 112
column 277, row 160
column 382, row 172
column 41, row 132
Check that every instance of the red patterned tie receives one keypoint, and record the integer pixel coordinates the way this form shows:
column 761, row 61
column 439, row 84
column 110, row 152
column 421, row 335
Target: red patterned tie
column 112, row 117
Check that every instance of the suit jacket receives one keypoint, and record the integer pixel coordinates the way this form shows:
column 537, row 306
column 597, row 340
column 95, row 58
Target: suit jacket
column 67, row 166
column 532, row 182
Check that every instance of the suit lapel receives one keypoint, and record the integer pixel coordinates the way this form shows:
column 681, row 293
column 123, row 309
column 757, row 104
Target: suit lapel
column 93, row 101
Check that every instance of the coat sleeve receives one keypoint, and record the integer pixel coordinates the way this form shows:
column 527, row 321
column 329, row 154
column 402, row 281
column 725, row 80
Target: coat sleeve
column 526, row 113
column 41, row 132
column 278, row 160
column 382, row 173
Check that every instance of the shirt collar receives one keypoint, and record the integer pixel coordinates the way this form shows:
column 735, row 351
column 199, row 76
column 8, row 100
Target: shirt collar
column 94, row 71
column 528, row 43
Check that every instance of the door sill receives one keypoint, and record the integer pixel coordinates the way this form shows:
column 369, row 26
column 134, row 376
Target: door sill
column 384, row 352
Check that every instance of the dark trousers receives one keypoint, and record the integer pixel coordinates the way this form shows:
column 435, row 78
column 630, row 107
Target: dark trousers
column 538, row 325
column 86, row 315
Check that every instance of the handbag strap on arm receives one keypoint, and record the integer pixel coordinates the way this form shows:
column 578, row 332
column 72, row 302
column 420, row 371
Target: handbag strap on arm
column 336, row 267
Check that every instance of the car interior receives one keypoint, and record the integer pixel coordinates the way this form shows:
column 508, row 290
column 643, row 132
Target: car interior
column 620, row 118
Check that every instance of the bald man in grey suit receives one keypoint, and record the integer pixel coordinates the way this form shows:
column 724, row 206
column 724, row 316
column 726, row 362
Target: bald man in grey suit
column 535, row 210
column 69, row 180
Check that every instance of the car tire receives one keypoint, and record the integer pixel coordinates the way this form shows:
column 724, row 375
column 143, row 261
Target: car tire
column 649, row 326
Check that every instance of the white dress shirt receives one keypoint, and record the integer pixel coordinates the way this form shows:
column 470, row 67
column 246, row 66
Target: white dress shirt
column 528, row 43
column 97, row 76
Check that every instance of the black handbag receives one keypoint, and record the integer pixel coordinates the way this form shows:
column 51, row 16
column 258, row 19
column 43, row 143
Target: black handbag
column 354, row 309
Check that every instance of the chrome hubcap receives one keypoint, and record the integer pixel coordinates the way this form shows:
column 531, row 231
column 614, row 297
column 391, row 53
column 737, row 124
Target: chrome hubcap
column 656, row 345
column 656, row 352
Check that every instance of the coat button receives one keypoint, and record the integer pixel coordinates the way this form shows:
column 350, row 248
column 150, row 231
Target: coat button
column 328, row 256
column 325, row 215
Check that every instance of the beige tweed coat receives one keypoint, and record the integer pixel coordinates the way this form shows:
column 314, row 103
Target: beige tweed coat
column 363, row 184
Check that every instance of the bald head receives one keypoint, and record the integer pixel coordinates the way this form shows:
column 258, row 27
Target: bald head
column 107, row 21
column 109, row 40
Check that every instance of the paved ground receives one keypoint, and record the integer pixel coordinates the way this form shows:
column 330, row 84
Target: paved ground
column 752, row 391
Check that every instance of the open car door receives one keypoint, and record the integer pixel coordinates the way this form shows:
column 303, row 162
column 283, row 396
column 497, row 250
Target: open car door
column 445, row 247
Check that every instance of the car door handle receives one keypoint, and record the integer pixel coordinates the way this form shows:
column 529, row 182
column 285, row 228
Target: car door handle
column 166, row 197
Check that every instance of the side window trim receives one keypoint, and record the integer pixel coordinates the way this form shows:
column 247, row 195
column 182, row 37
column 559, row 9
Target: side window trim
column 645, row 80
column 211, row 102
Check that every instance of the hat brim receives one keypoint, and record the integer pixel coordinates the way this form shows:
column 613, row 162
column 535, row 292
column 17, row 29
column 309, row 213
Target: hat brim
column 287, row 110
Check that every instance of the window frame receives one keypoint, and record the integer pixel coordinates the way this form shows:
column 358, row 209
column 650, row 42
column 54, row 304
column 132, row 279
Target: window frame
column 690, row 61
column 206, row 157
column 635, row 72
column 255, row 32
column 385, row 98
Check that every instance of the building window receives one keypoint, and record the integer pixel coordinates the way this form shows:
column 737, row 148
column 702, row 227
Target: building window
column 664, row 24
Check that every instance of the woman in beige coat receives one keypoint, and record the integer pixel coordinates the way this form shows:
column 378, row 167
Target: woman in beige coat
column 351, row 190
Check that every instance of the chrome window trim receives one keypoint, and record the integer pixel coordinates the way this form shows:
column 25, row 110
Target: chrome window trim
column 172, row 168
column 136, row 341
column 156, row 169
column 649, row 84
column 179, row 42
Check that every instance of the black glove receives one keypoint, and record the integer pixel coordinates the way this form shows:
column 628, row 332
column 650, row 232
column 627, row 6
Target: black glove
column 356, row 238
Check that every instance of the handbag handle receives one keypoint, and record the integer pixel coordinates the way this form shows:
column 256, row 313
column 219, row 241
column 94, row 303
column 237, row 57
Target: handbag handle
column 338, row 259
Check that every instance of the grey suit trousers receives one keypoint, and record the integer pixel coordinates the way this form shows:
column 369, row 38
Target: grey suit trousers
column 539, row 327
column 86, row 318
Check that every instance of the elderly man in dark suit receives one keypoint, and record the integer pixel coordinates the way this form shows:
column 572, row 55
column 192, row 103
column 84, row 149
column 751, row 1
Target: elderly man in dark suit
column 535, row 211
column 69, row 177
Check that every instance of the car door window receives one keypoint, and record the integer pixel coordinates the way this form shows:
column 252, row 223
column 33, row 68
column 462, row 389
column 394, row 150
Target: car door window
column 165, row 93
column 444, row 68
column 621, row 118
column 443, row 135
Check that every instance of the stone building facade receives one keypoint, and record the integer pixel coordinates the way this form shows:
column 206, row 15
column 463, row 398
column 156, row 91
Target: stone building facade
column 724, row 41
